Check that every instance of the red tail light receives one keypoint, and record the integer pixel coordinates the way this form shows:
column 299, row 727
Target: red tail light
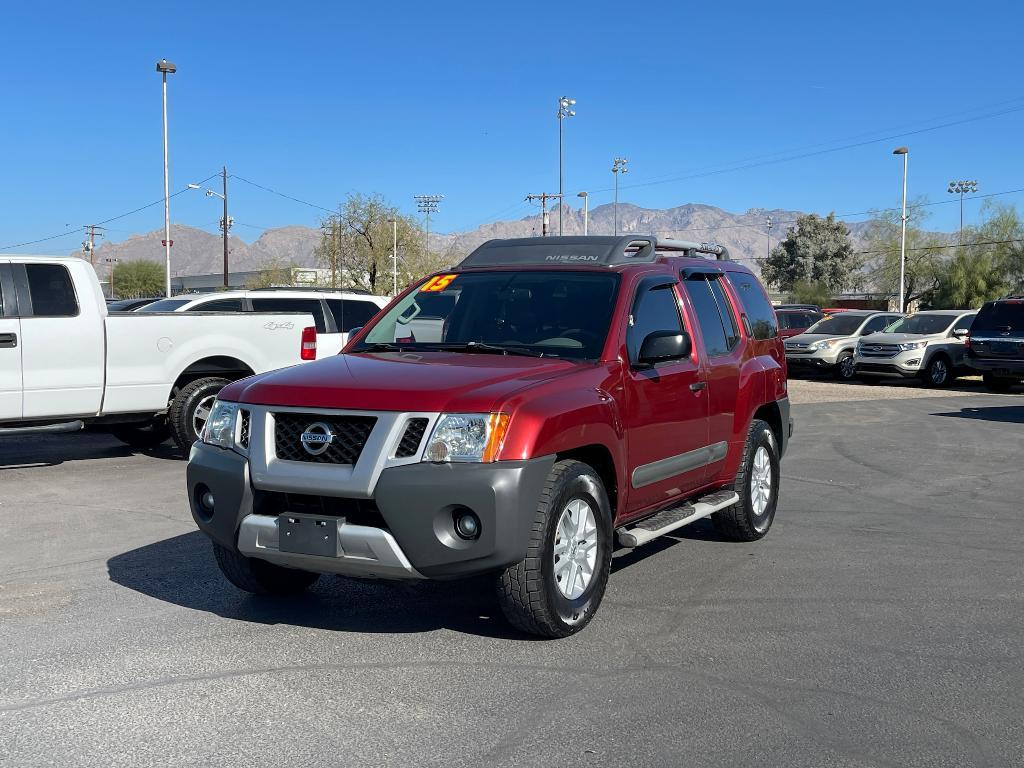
column 967, row 342
column 308, row 343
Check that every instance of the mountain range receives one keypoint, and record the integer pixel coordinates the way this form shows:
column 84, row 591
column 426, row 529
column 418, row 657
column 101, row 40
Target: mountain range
column 197, row 252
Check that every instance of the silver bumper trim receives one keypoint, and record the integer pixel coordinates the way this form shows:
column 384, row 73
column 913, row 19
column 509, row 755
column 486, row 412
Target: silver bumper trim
column 366, row 551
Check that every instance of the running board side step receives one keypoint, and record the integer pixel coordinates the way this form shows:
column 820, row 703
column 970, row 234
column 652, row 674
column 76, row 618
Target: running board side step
column 670, row 519
column 43, row 429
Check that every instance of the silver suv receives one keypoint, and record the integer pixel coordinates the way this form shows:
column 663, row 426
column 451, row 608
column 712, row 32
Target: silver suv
column 928, row 345
column 830, row 343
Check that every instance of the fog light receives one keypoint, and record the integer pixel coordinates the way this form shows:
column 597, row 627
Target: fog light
column 467, row 524
column 207, row 501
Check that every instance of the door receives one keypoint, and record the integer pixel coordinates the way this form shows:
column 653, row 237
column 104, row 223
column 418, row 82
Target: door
column 62, row 342
column 10, row 347
column 717, row 322
column 666, row 407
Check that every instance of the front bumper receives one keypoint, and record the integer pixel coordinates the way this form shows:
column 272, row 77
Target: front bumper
column 905, row 365
column 819, row 359
column 415, row 537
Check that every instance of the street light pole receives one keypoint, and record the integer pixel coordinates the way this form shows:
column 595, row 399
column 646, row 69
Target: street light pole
column 165, row 68
column 225, row 223
column 903, row 235
column 618, row 166
column 565, row 109
column 768, row 222
column 959, row 188
column 586, row 211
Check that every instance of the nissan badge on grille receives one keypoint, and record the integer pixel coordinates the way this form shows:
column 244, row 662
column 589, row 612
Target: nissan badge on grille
column 317, row 438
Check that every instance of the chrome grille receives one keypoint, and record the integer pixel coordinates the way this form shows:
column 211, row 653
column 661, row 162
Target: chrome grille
column 349, row 435
column 411, row 439
column 878, row 350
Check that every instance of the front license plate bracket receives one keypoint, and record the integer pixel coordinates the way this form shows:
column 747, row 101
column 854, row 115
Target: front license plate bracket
column 308, row 534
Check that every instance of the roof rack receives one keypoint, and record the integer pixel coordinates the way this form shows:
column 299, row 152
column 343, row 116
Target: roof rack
column 311, row 288
column 593, row 250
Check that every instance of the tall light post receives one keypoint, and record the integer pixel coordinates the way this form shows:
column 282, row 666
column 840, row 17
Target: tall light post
column 394, row 255
column 164, row 67
column 565, row 109
column 618, row 166
column 959, row 188
column 427, row 204
column 586, row 211
column 903, row 235
column 226, row 222
column 768, row 224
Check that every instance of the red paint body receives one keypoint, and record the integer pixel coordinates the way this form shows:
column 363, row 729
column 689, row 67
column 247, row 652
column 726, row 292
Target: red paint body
column 634, row 416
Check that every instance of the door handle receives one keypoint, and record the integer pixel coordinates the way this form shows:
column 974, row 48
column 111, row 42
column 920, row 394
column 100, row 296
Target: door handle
column 8, row 340
column 698, row 386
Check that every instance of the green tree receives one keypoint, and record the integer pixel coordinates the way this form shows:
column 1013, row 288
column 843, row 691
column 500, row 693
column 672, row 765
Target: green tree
column 969, row 280
column 1000, row 233
column 356, row 245
column 925, row 255
column 816, row 250
column 273, row 273
column 806, row 292
column 138, row 279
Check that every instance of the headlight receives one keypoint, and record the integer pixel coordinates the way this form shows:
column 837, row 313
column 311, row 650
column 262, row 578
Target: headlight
column 823, row 344
column 220, row 427
column 466, row 437
column 913, row 345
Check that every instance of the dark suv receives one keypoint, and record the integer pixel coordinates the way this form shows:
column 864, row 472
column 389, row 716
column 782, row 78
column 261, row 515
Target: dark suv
column 995, row 345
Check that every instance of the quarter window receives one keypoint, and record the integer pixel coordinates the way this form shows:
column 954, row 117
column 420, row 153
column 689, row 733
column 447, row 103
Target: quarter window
column 760, row 313
column 718, row 331
column 51, row 290
column 656, row 309
column 351, row 313
column 312, row 306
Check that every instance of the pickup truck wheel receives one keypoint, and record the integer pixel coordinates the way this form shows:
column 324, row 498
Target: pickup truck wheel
column 259, row 576
column 757, row 484
column 846, row 369
column 190, row 409
column 557, row 588
column 142, row 436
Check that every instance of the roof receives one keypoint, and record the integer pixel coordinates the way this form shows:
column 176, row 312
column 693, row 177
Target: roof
column 593, row 250
column 949, row 312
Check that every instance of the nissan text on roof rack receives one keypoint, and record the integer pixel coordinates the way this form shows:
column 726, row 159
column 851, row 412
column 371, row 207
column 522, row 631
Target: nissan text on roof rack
column 576, row 392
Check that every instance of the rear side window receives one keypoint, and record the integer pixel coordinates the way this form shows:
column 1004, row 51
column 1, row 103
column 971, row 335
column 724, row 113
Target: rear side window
column 51, row 290
column 1000, row 317
column 351, row 313
column 312, row 306
column 876, row 324
column 220, row 305
column 656, row 310
column 760, row 312
column 718, row 331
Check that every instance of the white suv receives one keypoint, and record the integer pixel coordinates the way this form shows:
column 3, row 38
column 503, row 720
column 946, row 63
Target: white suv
column 336, row 313
column 928, row 345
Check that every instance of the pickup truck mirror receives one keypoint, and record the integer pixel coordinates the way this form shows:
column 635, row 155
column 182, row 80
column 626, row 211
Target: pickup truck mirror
column 661, row 346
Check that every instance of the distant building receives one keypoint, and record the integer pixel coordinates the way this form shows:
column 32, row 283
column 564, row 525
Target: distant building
column 300, row 276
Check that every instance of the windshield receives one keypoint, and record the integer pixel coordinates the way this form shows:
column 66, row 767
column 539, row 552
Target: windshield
column 922, row 324
column 1004, row 317
column 557, row 314
column 843, row 324
column 164, row 305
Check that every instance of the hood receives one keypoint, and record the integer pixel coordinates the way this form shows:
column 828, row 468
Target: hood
column 399, row 381
column 898, row 338
column 810, row 338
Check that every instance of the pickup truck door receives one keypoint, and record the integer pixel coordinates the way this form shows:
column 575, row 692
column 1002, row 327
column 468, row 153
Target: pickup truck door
column 666, row 406
column 10, row 347
column 62, row 341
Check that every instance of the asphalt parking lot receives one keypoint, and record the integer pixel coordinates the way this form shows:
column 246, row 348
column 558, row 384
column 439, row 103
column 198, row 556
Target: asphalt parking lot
column 879, row 623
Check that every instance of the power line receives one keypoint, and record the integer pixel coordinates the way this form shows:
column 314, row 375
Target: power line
column 282, row 194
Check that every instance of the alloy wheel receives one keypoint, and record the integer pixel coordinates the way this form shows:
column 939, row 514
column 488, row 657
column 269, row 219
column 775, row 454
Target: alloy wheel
column 575, row 549
column 201, row 414
column 760, row 484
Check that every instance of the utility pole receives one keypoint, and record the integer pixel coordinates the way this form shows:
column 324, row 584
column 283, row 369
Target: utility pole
column 427, row 204
column 544, row 197
column 565, row 109
column 768, row 222
column 618, row 166
column 225, row 223
column 112, row 261
column 959, row 188
column 92, row 231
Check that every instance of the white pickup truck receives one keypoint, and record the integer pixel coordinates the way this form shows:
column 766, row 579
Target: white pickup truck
column 66, row 363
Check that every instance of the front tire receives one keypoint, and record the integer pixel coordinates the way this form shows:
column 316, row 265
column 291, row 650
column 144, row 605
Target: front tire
column 939, row 372
column 757, row 484
column 556, row 589
column 191, row 407
column 259, row 576
column 846, row 369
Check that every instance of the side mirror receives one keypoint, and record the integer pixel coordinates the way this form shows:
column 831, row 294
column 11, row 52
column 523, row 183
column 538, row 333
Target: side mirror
column 353, row 331
column 662, row 346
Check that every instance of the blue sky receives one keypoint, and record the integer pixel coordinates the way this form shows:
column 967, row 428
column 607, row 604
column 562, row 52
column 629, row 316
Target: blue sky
column 318, row 100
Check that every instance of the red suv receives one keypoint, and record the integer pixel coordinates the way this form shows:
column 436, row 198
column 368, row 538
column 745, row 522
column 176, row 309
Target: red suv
column 577, row 391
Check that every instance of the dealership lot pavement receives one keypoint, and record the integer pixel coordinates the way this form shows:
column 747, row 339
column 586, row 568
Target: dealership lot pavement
column 879, row 623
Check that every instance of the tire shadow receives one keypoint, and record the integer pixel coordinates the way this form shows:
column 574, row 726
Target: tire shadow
column 181, row 570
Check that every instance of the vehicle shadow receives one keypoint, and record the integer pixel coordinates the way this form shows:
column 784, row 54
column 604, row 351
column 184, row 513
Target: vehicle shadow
column 27, row 451
column 1008, row 414
column 181, row 570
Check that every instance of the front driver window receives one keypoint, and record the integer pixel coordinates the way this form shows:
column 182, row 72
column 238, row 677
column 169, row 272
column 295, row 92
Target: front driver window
column 655, row 309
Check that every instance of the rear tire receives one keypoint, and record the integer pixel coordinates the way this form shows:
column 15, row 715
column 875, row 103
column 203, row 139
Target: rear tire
column 259, row 576
column 550, row 593
column 143, row 436
column 757, row 484
column 186, row 416
column 997, row 383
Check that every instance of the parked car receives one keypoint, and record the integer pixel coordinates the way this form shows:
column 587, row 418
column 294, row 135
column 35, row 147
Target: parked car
column 336, row 312
column 927, row 345
column 810, row 307
column 830, row 343
column 793, row 322
column 66, row 363
column 995, row 346
column 128, row 305
column 584, row 388
column 834, row 310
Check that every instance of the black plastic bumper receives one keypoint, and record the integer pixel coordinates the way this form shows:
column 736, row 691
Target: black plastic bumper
column 1001, row 367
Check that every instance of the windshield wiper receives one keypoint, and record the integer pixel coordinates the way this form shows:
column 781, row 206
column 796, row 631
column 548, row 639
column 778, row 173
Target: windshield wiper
column 380, row 346
column 480, row 346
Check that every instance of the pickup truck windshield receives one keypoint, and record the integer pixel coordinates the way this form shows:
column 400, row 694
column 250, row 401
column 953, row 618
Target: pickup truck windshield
column 843, row 324
column 560, row 314
column 921, row 324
